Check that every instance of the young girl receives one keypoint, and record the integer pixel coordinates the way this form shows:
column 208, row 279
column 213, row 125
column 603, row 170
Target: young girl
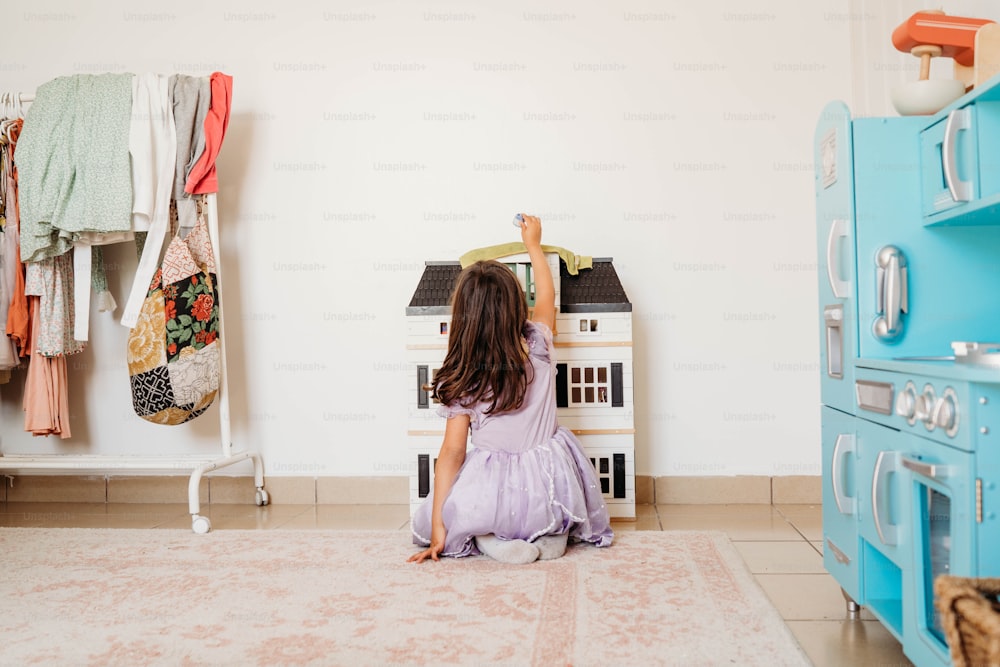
column 526, row 486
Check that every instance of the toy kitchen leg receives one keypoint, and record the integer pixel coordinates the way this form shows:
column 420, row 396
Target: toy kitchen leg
column 853, row 608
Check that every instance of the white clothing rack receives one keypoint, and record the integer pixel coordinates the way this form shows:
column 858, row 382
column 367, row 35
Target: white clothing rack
column 199, row 464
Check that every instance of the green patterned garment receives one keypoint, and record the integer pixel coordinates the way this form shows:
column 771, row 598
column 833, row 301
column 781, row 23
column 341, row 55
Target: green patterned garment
column 73, row 162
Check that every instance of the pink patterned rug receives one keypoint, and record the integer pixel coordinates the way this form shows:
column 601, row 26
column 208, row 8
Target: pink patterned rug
column 72, row 596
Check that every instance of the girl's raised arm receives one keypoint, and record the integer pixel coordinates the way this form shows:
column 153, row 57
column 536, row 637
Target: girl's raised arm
column 545, row 291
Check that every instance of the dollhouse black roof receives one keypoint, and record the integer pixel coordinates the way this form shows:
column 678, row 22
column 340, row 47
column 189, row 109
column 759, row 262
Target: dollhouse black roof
column 594, row 290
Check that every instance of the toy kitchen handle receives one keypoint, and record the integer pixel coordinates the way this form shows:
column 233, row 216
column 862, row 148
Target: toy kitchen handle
column 958, row 120
column 885, row 465
column 890, row 293
column 934, row 471
column 838, row 230
column 845, row 444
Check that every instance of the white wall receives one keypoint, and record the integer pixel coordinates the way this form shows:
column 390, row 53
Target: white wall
column 368, row 138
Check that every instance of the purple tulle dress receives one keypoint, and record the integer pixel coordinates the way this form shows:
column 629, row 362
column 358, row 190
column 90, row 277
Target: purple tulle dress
column 525, row 477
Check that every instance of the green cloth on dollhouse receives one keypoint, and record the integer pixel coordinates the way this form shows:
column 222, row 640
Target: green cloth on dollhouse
column 573, row 262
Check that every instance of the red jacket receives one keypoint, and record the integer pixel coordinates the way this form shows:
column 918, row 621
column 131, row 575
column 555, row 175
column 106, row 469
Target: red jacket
column 202, row 179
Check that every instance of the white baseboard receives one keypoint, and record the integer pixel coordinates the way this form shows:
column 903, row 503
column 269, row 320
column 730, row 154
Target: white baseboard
column 394, row 490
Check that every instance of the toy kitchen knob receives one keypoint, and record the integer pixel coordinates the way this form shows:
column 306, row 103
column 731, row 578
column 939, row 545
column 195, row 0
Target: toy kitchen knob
column 906, row 403
column 945, row 414
column 924, row 407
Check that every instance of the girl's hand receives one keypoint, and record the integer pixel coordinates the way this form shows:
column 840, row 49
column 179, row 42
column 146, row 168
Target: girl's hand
column 436, row 547
column 430, row 552
column 531, row 230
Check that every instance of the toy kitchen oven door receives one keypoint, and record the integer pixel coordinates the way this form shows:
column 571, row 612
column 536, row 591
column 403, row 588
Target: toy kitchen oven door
column 927, row 497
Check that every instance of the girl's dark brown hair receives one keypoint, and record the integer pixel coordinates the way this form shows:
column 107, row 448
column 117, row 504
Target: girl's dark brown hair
column 486, row 360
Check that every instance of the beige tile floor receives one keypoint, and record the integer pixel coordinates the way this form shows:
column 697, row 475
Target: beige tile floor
column 780, row 544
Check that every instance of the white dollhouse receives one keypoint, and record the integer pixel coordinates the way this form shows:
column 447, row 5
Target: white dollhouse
column 593, row 341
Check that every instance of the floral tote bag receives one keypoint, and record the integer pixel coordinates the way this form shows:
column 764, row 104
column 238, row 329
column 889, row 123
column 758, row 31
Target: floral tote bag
column 173, row 350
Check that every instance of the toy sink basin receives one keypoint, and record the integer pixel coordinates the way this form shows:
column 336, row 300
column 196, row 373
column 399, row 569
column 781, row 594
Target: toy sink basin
column 926, row 97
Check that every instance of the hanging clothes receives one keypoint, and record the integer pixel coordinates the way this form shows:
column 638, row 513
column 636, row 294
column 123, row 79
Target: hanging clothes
column 8, row 349
column 51, row 280
column 98, row 160
column 15, row 316
column 191, row 97
column 202, row 179
column 46, row 398
column 153, row 150
column 73, row 162
column 154, row 166
column 152, row 141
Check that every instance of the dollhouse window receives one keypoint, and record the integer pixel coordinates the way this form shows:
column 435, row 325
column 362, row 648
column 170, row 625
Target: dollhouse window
column 529, row 285
column 588, row 385
column 523, row 272
column 611, row 473
column 588, row 326
column 602, row 468
column 444, row 328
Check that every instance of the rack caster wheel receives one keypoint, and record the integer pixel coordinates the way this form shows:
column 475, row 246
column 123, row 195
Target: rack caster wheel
column 200, row 524
column 261, row 498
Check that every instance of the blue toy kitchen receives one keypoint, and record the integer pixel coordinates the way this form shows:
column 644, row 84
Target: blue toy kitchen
column 908, row 247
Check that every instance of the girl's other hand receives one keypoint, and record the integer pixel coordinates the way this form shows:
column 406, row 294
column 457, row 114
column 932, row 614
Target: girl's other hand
column 438, row 535
column 531, row 230
column 430, row 552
